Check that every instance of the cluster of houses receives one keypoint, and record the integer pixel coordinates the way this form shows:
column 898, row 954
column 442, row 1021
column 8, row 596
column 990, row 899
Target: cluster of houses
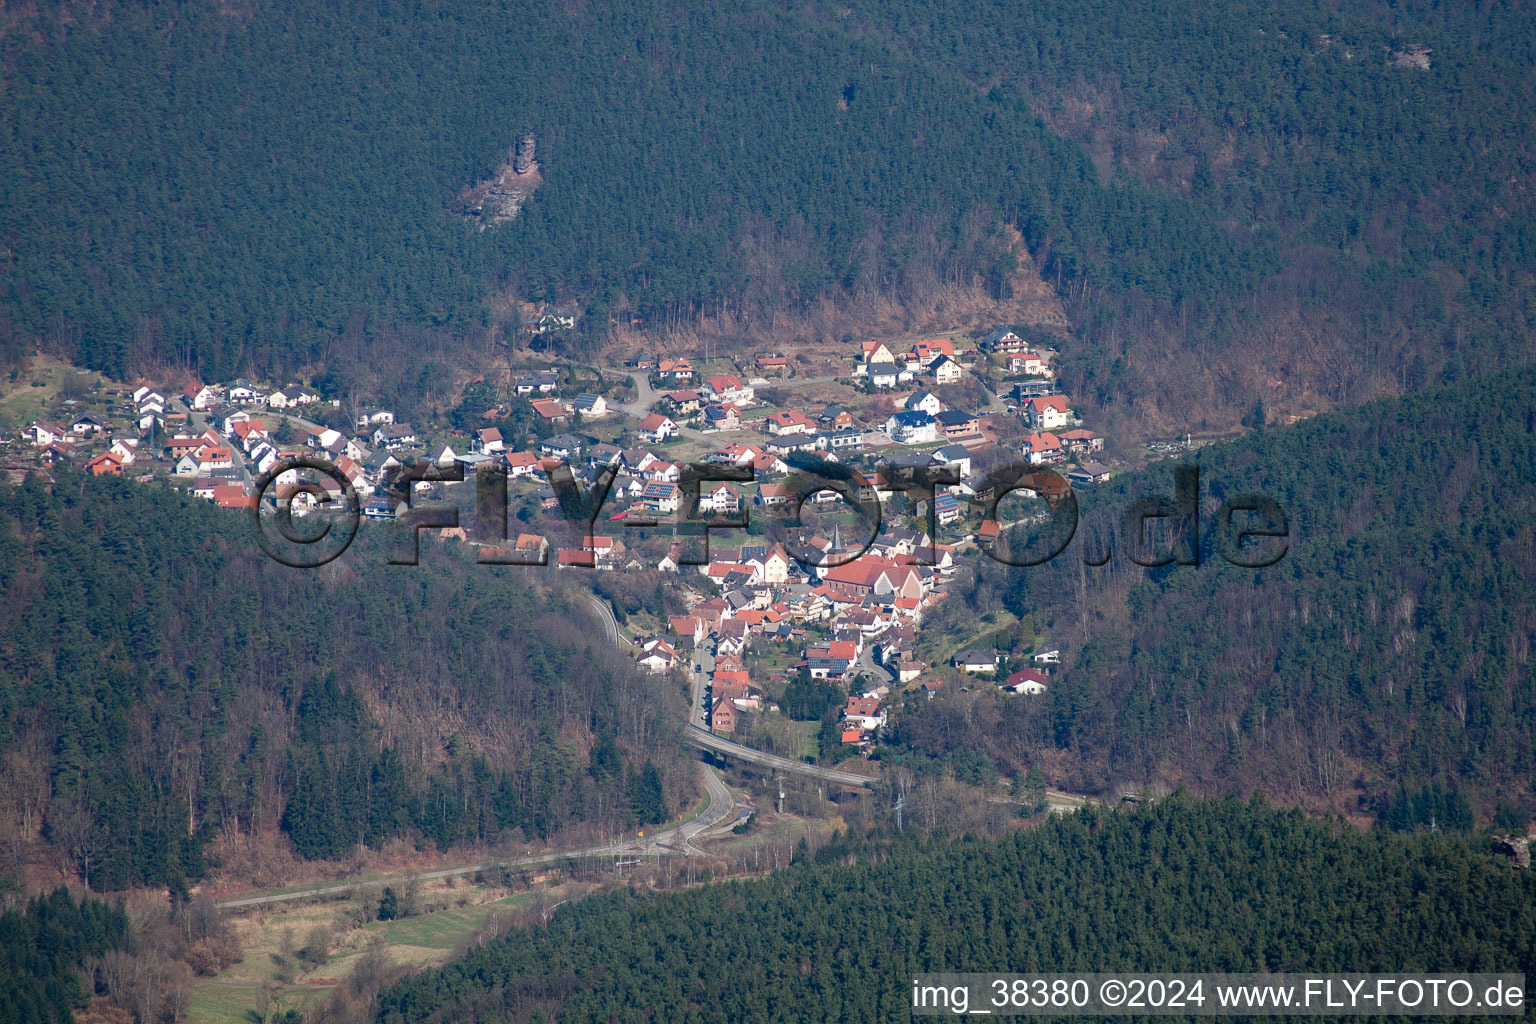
column 847, row 621
column 1033, row 679
column 844, row 618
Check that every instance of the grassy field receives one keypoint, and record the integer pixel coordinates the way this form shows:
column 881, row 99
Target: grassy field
column 22, row 400
column 269, row 937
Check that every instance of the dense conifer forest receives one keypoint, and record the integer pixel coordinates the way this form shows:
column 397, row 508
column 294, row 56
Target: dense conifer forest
column 1180, row 885
column 1389, row 648
column 169, row 692
column 43, row 947
column 1222, row 197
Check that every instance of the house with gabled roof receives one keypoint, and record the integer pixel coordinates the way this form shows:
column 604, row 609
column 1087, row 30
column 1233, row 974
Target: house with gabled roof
column 835, row 417
column 721, row 498
column 1025, row 680
column 549, row 410
column 945, row 370
column 42, row 433
column 977, row 662
column 676, row 369
column 925, row 353
column 720, row 416
column 728, row 388
column 105, row 464
column 657, row 428
column 243, row 392
column 393, row 436
column 590, row 406
column 488, row 442
column 998, row 339
column 789, row 421
column 1031, row 363
column 562, row 446
column 923, row 400
column 1047, row 412
column 1042, row 448
column 913, row 427
column 872, row 352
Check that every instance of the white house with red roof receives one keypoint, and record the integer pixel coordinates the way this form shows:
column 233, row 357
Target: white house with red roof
column 488, row 442
column 789, row 421
column 729, row 388
column 1048, row 413
column 1025, row 680
column 657, row 428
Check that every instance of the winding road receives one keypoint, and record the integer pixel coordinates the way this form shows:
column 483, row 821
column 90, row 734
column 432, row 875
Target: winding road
column 676, row 841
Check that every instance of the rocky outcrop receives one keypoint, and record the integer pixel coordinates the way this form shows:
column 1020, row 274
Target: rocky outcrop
column 502, row 197
column 1516, row 848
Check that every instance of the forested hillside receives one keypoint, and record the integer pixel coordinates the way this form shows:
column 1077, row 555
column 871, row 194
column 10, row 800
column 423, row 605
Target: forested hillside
column 44, row 945
column 1378, row 154
column 1390, row 647
column 1175, row 886
column 1233, row 202
column 169, row 695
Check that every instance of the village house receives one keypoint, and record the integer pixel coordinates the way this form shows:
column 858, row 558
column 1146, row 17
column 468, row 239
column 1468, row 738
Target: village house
column 723, row 498
column 658, row 656
column 912, row 428
column 883, row 376
column 198, row 396
column 789, row 421
column 1025, row 680
column 770, row 495
column 926, row 353
column 849, row 439
column 520, row 464
column 1002, row 339
column 945, row 370
column 126, row 449
column 661, row 497
column 675, row 369
column 105, row 464
column 727, row 388
column 772, row 364
column 864, row 714
column 42, row 433
column 549, row 410
column 591, row 407
column 923, row 400
column 287, row 398
column 394, row 436
column 1089, row 473
column 835, row 417
column 957, row 423
column 682, row 403
column 720, row 416
column 1042, row 448
column 871, row 353
column 1030, row 363
column 785, row 444
column 84, row 425
column 1080, row 440
column 243, row 392
column 488, row 442
column 1047, row 413
column 976, row 662
column 542, row 383
column 562, row 446
column 656, row 428
column 373, row 416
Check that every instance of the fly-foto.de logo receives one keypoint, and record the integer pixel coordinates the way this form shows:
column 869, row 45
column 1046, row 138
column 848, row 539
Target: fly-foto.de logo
column 308, row 512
